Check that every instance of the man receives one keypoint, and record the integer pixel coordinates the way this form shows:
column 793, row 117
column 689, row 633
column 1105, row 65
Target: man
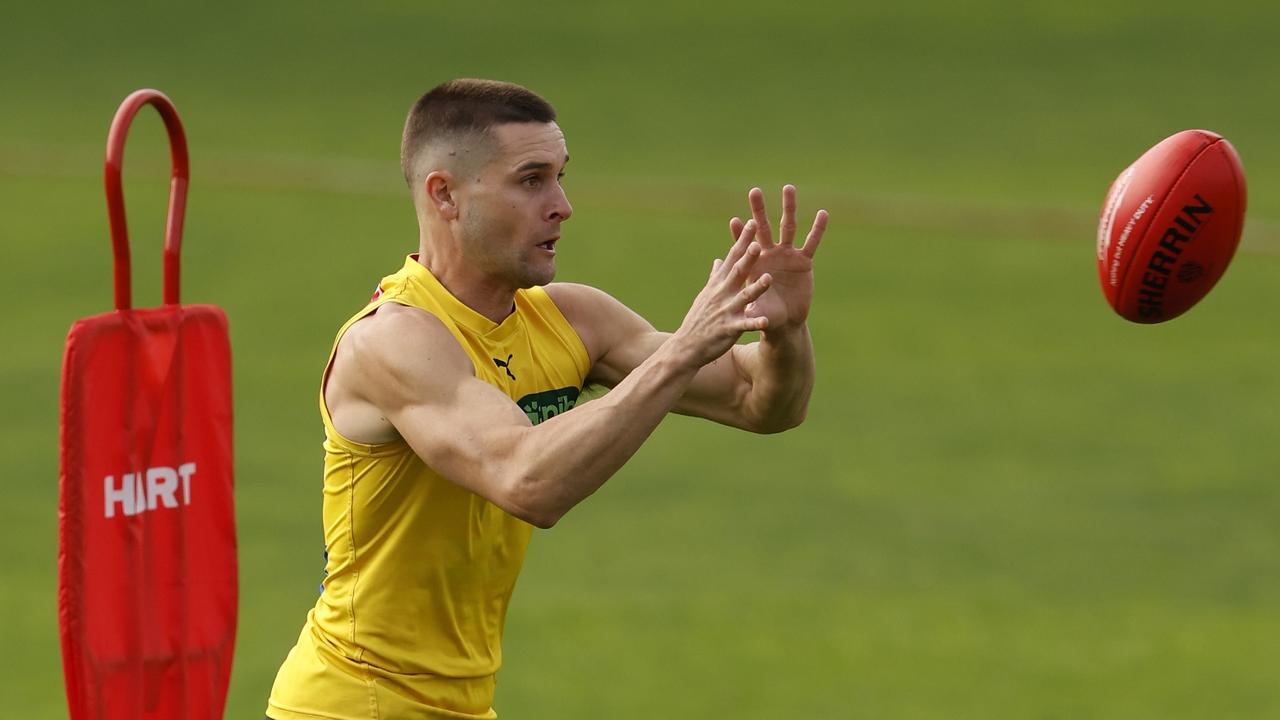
column 447, row 405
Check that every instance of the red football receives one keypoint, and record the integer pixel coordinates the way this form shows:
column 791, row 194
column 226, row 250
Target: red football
column 1170, row 225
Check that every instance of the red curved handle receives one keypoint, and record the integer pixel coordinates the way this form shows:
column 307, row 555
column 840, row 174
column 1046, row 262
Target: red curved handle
column 177, row 194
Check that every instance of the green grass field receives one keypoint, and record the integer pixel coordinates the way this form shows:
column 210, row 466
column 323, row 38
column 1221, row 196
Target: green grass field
column 1006, row 502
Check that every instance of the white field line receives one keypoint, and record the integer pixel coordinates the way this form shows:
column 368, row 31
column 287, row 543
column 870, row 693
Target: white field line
column 364, row 177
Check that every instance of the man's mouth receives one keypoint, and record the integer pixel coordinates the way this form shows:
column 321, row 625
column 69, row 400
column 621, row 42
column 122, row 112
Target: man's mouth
column 549, row 245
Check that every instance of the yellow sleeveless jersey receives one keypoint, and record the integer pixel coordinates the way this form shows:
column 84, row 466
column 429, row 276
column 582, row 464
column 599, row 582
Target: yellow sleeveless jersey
column 419, row 571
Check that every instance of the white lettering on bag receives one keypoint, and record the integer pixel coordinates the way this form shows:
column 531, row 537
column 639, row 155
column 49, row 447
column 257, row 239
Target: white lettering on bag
column 139, row 492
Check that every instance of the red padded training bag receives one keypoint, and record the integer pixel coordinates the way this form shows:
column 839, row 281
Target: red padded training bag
column 147, row 586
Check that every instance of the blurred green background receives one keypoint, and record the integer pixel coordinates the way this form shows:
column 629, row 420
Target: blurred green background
column 1006, row 502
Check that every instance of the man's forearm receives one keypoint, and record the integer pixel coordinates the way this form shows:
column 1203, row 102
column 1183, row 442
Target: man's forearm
column 780, row 368
column 568, row 457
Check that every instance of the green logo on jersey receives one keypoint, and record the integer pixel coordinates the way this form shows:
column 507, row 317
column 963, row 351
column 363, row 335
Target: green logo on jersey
column 549, row 403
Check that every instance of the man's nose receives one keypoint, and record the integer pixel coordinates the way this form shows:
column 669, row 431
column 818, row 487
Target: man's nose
column 561, row 209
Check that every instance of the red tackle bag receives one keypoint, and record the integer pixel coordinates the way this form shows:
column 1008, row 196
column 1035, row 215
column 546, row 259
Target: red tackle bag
column 147, row 586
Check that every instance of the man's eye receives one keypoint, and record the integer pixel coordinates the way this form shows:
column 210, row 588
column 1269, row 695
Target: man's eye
column 531, row 180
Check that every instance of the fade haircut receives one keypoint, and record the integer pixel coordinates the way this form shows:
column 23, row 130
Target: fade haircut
column 465, row 109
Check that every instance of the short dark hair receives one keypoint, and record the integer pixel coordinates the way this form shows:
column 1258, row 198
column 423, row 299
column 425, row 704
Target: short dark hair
column 467, row 106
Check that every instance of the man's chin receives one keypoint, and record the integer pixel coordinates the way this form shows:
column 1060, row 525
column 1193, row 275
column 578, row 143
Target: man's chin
column 538, row 278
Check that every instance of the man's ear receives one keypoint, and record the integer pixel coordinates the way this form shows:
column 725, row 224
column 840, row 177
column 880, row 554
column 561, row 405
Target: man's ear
column 440, row 193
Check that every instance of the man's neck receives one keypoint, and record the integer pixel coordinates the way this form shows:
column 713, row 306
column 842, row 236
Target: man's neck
column 493, row 300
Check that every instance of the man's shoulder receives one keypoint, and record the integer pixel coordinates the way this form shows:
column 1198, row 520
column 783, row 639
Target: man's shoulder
column 589, row 310
column 393, row 321
column 601, row 321
column 584, row 304
column 575, row 294
column 401, row 340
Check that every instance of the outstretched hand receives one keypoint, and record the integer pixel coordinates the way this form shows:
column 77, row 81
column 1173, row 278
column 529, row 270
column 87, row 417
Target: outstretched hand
column 786, row 302
column 719, row 315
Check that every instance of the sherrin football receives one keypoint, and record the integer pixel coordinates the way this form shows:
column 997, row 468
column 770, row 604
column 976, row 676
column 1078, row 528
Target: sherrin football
column 1170, row 225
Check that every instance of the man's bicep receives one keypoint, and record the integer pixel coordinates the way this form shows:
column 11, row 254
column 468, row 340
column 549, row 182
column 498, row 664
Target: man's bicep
column 425, row 385
column 467, row 432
